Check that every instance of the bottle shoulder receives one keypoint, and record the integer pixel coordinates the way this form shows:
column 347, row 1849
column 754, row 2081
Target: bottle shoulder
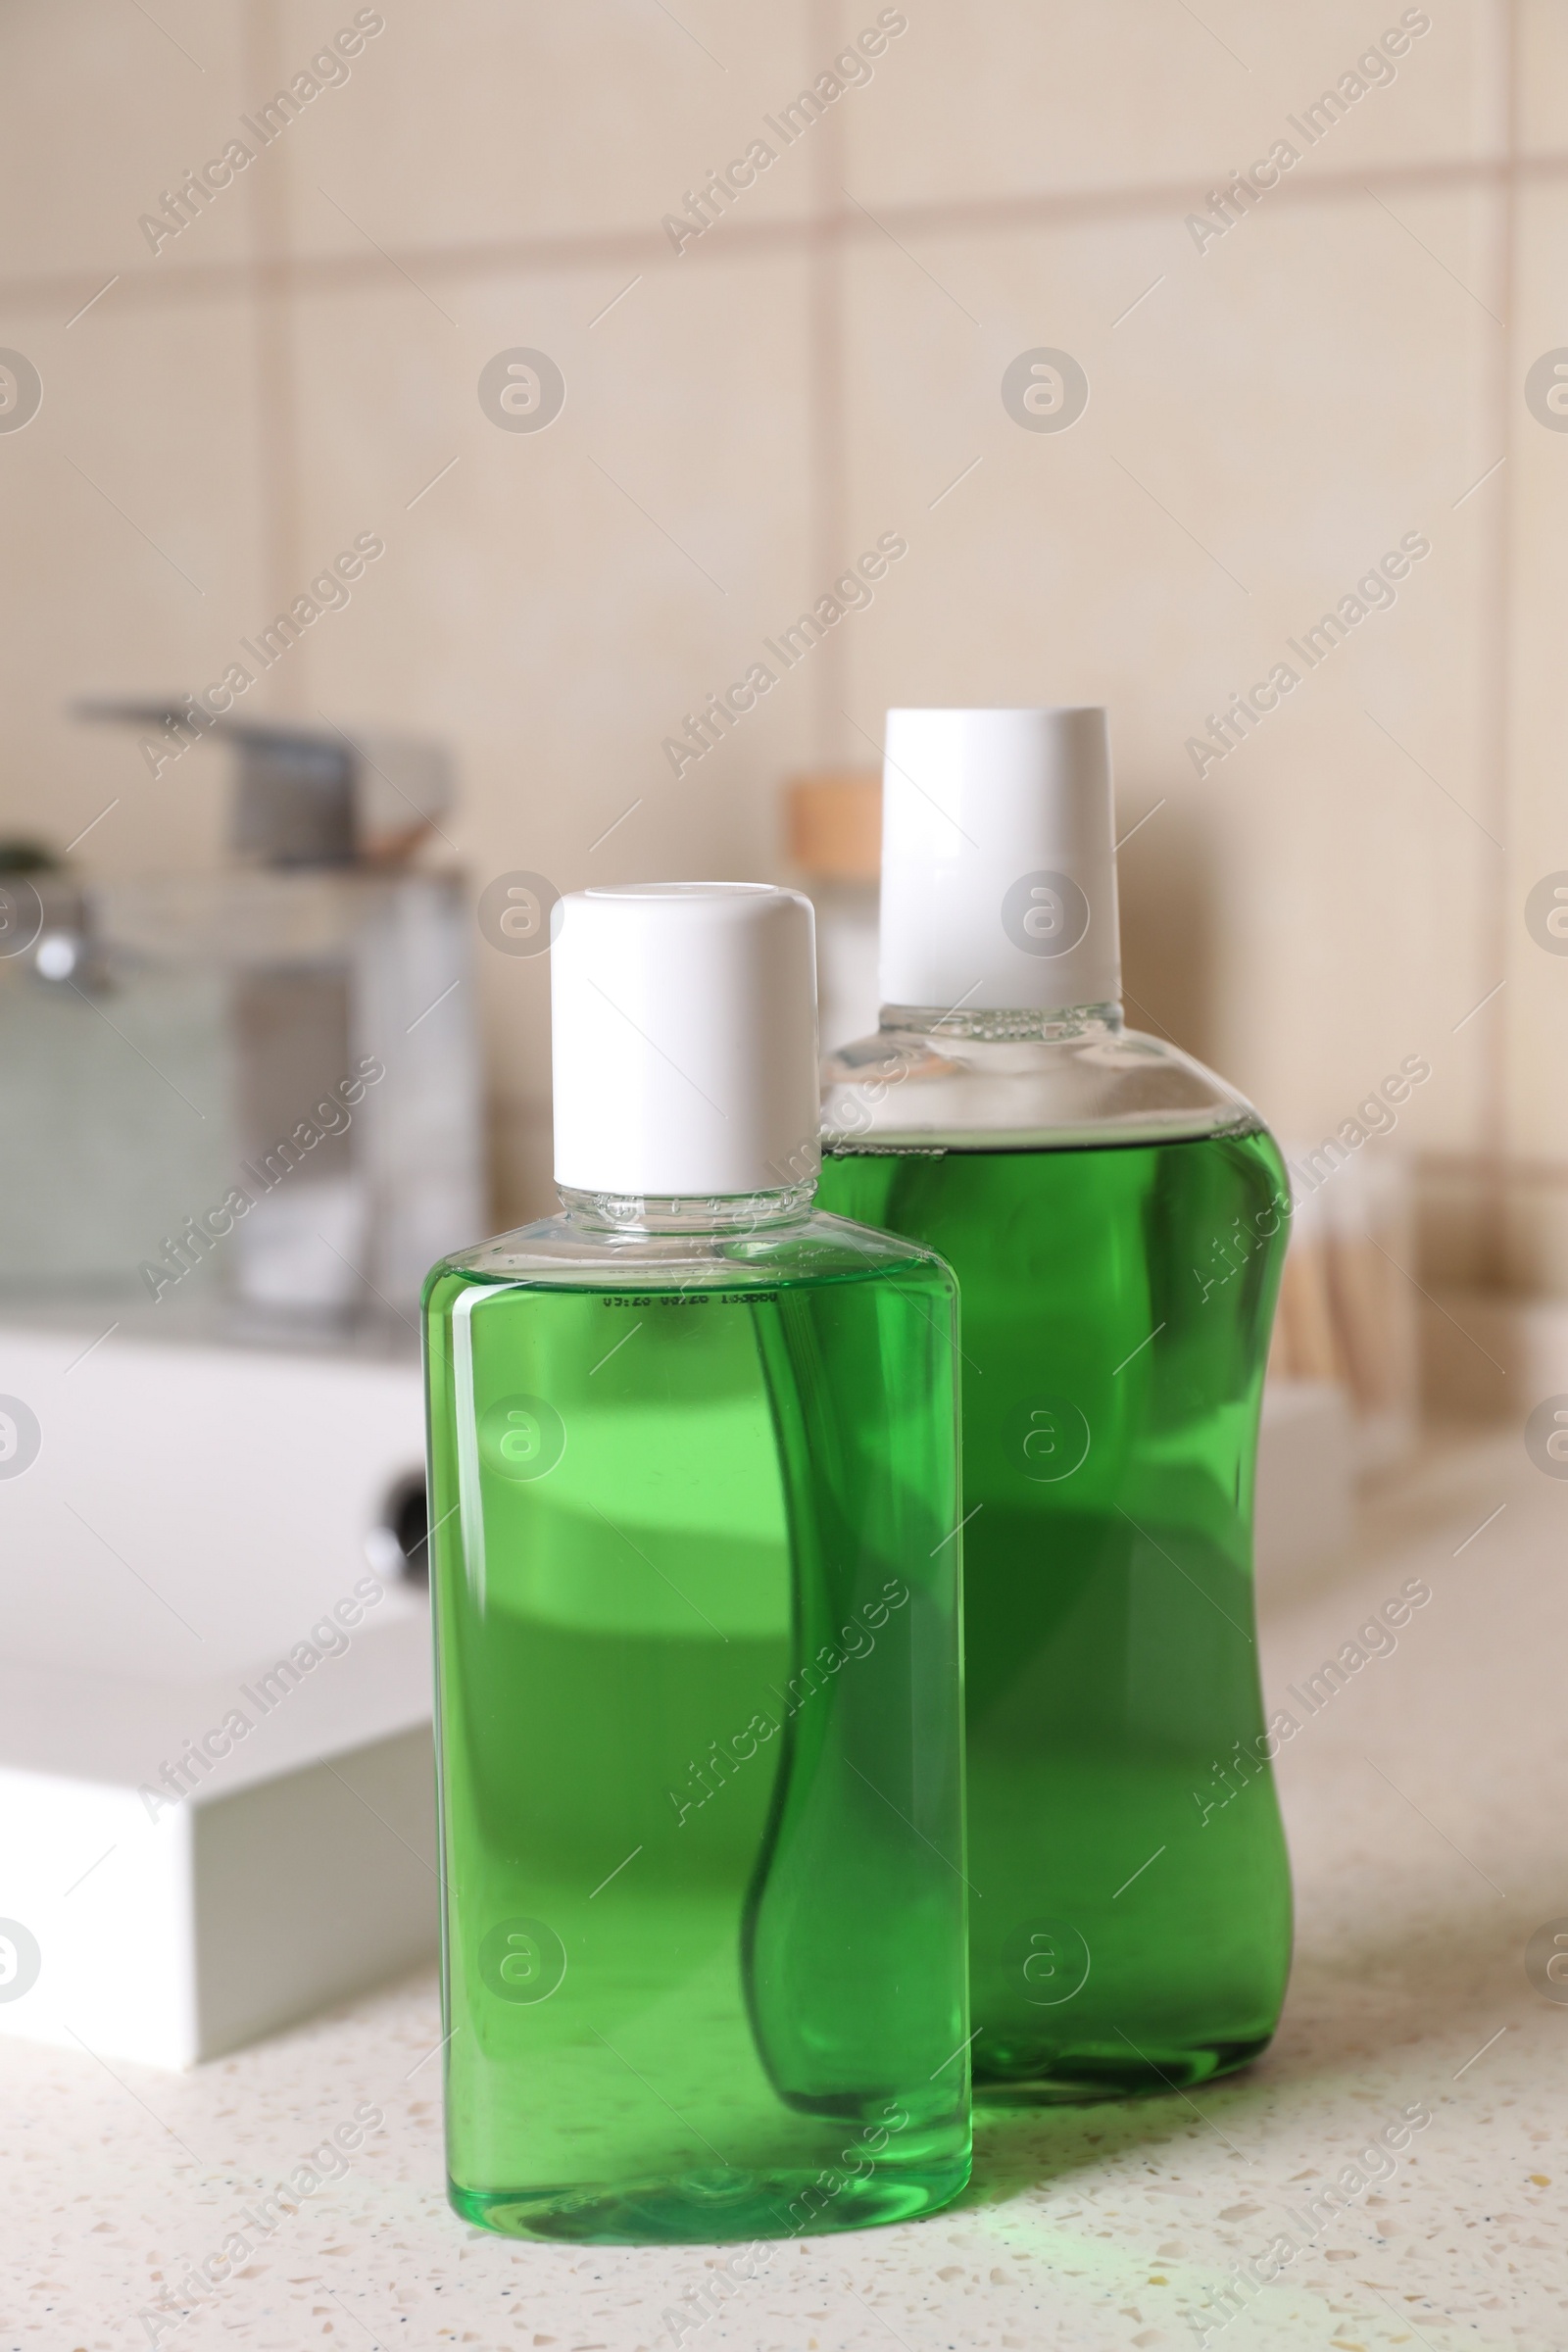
column 913, row 1089
column 560, row 1253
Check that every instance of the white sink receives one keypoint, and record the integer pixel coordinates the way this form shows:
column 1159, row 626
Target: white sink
column 214, row 1716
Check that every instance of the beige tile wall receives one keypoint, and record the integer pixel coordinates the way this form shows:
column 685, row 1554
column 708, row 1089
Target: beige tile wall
column 1266, row 416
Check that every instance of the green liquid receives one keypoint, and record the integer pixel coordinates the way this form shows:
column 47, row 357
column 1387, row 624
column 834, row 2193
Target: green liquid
column 700, row 1746
column 1132, row 1916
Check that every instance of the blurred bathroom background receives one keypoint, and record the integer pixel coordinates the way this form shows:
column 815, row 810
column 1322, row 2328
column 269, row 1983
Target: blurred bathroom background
column 239, row 381
column 429, row 441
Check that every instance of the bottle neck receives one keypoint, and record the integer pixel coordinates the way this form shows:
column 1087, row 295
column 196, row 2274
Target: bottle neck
column 688, row 1213
column 1004, row 1025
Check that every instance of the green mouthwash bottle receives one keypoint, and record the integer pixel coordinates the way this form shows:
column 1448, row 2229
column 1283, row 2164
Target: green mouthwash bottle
column 693, row 1501
column 1116, row 1218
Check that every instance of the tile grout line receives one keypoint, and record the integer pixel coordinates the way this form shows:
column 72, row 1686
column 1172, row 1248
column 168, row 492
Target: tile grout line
column 828, row 397
column 1494, row 1103
column 272, row 331
column 995, row 217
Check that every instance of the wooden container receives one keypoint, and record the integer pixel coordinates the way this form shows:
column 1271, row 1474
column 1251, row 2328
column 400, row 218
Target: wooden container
column 833, row 824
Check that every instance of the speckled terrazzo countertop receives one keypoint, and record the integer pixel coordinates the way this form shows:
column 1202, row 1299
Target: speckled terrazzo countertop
column 1428, row 1811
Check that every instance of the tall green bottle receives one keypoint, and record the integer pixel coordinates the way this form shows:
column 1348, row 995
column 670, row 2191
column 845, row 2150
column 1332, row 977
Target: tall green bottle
column 1116, row 1217
column 694, row 1502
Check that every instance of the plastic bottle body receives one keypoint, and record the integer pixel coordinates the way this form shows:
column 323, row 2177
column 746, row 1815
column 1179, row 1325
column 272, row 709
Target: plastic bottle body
column 700, row 1740
column 1133, row 1919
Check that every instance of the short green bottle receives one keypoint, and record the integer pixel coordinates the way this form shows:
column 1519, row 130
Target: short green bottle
column 1116, row 1217
column 694, row 1505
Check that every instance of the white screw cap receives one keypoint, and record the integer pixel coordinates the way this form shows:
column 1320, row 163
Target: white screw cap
column 684, row 1036
column 999, row 860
